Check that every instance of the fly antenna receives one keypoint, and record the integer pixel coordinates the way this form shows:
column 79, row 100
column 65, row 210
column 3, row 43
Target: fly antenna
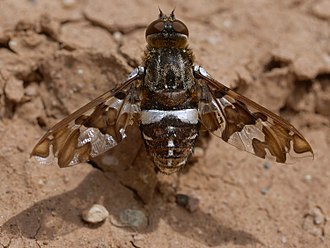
column 172, row 16
column 161, row 14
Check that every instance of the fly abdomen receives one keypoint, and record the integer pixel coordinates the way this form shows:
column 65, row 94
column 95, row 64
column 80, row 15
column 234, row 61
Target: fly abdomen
column 170, row 136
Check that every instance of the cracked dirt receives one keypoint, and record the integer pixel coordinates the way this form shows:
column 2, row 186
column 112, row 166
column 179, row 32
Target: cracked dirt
column 56, row 56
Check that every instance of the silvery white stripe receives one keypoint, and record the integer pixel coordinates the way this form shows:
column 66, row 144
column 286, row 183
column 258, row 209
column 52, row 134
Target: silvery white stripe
column 201, row 70
column 185, row 115
column 136, row 72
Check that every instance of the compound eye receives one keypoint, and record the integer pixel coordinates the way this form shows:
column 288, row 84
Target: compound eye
column 180, row 27
column 155, row 27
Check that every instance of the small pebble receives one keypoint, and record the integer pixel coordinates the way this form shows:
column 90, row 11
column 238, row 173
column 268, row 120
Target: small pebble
column 69, row 3
column 314, row 222
column 182, row 200
column 267, row 165
column 118, row 36
column 187, row 202
column 284, row 239
column 31, row 90
column 20, row 148
column 97, row 213
column 12, row 44
column 264, row 191
column 318, row 216
column 41, row 182
column 80, row 71
column 66, row 179
column 308, row 178
column 133, row 218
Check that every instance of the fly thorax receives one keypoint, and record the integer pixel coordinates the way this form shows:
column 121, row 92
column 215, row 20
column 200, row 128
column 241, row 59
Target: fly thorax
column 169, row 76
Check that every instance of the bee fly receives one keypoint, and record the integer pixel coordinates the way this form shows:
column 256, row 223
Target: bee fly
column 171, row 99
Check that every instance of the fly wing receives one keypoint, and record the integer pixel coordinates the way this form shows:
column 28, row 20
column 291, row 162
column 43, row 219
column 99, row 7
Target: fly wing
column 248, row 126
column 92, row 129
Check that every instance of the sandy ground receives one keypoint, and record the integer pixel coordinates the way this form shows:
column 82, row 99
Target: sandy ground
column 57, row 55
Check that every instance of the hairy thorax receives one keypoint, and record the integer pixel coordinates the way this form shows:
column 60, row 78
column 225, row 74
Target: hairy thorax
column 169, row 81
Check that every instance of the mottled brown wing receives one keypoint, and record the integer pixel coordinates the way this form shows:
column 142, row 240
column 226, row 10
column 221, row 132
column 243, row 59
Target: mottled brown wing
column 91, row 130
column 249, row 126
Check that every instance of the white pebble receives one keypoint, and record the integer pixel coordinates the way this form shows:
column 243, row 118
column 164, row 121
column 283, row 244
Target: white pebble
column 69, row 3
column 12, row 44
column 118, row 36
column 97, row 213
column 80, row 71
column 307, row 178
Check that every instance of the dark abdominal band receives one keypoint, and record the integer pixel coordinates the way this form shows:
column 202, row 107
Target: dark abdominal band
column 170, row 140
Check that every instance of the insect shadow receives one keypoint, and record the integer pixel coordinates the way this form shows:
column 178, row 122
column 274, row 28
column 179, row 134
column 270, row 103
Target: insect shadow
column 59, row 215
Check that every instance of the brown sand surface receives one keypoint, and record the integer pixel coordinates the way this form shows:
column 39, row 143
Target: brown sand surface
column 56, row 55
